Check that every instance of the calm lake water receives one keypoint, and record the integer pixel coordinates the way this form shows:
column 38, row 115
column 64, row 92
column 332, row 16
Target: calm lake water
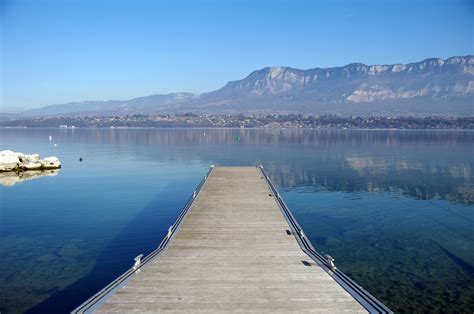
column 394, row 208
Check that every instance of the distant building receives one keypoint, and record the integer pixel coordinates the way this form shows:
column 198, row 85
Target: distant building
column 63, row 126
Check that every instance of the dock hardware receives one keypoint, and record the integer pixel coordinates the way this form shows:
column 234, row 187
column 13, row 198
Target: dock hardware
column 368, row 301
column 364, row 298
column 330, row 262
column 97, row 299
column 138, row 262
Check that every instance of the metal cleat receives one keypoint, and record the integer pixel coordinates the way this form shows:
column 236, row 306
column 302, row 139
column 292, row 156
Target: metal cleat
column 138, row 262
column 331, row 264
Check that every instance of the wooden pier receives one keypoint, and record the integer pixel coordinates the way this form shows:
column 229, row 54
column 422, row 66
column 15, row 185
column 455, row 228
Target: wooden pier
column 233, row 249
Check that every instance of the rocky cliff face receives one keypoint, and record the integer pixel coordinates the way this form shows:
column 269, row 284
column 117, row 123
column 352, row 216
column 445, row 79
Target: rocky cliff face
column 430, row 87
column 379, row 81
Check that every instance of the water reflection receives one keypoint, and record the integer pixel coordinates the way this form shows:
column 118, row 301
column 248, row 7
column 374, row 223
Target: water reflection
column 423, row 164
column 350, row 138
column 451, row 182
column 414, row 254
column 393, row 207
column 13, row 177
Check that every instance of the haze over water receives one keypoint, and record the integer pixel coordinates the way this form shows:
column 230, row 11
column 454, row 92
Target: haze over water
column 394, row 208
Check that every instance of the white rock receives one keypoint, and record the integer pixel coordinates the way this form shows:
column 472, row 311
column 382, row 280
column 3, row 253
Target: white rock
column 9, row 162
column 8, row 153
column 51, row 163
column 33, row 158
column 31, row 165
column 13, row 161
column 398, row 67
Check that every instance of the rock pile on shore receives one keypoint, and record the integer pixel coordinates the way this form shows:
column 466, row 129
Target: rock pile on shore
column 13, row 161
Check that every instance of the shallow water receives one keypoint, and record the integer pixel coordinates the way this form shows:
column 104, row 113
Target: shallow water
column 394, row 208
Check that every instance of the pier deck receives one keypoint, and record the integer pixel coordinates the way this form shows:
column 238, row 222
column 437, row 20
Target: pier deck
column 232, row 252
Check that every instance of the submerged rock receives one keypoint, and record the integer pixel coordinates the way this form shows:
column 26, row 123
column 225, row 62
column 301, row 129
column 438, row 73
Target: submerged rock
column 13, row 161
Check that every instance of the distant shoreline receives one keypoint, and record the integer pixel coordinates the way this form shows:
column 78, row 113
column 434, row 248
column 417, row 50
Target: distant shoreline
column 290, row 121
column 232, row 128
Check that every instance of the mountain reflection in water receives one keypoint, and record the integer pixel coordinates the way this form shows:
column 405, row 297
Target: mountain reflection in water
column 394, row 208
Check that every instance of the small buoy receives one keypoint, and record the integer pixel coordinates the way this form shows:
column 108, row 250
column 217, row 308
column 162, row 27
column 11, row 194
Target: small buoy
column 55, row 145
column 204, row 133
column 50, row 138
column 80, row 159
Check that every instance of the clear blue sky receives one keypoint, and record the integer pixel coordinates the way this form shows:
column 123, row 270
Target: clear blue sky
column 61, row 51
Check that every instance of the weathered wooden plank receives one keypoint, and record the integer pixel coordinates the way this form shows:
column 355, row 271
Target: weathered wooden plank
column 232, row 253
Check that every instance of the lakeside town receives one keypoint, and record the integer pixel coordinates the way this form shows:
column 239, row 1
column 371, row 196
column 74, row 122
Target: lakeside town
column 240, row 121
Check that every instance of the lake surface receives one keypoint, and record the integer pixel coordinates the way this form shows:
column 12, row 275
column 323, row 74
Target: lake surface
column 394, row 208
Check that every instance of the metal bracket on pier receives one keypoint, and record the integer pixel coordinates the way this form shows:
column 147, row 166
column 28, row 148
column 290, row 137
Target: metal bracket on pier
column 330, row 262
column 302, row 234
column 170, row 232
column 138, row 262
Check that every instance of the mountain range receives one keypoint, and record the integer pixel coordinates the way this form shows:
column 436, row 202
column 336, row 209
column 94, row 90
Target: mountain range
column 430, row 87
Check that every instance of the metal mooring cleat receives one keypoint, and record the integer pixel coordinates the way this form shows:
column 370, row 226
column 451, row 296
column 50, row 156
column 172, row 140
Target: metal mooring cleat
column 331, row 262
column 138, row 262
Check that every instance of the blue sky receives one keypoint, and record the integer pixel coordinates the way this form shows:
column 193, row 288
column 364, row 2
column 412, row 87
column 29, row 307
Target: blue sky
column 61, row 51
